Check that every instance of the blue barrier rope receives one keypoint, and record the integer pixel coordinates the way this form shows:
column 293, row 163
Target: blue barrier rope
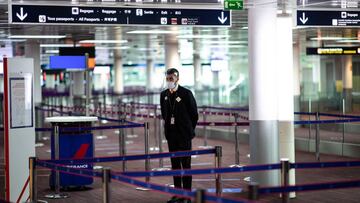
column 202, row 171
column 305, row 113
column 173, row 191
column 310, row 187
column 324, row 164
column 71, row 129
column 132, row 157
column 326, row 121
column 339, row 115
column 67, row 169
column 224, row 108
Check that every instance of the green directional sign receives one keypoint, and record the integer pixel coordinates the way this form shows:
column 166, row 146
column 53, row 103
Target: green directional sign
column 233, row 4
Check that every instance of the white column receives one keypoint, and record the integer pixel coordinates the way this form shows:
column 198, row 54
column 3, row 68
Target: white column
column 172, row 56
column 32, row 50
column 149, row 73
column 285, row 90
column 78, row 83
column 264, row 141
column 347, row 78
column 150, row 66
column 197, row 64
column 119, row 81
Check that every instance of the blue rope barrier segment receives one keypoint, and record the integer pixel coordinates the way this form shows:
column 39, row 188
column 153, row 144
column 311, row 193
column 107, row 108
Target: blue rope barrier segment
column 69, row 169
column 339, row 115
column 170, row 190
column 203, row 171
column 131, row 157
column 308, row 165
column 327, row 121
column 311, row 187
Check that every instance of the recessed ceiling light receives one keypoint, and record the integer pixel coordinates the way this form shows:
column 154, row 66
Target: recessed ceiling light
column 12, row 40
column 332, row 38
column 104, row 41
column 37, row 36
column 349, row 41
column 203, row 36
column 152, row 32
column 124, row 47
column 225, row 42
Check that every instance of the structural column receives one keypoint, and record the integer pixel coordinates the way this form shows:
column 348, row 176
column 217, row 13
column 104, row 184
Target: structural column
column 296, row 65
column 149, row 65
column 172, row 56
column 119, row 81
column 78, row 84
column 197, row 64
column 347, row 78
column 264, row 141
column 285, row 90
column 32, row 50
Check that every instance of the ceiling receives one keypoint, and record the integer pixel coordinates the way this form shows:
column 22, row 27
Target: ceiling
column 233, row 39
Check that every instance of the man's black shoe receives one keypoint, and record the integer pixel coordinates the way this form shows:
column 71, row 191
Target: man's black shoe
column 185, row 200
column 174, row 199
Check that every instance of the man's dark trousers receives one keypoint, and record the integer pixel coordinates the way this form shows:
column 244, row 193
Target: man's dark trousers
column 180, row 162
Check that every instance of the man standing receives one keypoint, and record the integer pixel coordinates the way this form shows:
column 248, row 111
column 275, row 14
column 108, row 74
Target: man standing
column 179, row 110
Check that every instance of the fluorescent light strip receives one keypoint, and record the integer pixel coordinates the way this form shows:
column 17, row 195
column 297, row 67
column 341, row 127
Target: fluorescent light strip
column 152, row 32
column 37, row 36
column 349, row 41
column 104, row 41
column 52, row 51
column 12, row 40
column 225, row 42
column 203, row 36
column 125, row 47
column 332, row 38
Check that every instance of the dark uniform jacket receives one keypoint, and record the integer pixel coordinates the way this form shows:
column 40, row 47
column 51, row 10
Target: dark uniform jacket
column 184, row 111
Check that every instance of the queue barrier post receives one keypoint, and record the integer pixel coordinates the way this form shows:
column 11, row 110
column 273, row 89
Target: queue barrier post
column 57, row 194
column 200, row 196
column 99, row 109
column 61, row 109
column 106, row 178
column 122, row 143
column 147, row 160
column 343, row 128
column 32, row 179
column 285, row 167
column 253, row 191
column 309, row 106
column 218, row 160
column 317, row 138
column 157, row 141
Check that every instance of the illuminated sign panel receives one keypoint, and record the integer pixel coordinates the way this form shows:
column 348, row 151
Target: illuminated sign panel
column 333, row 51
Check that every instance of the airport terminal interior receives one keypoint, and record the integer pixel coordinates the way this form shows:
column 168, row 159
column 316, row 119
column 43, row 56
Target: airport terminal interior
column 86, row 95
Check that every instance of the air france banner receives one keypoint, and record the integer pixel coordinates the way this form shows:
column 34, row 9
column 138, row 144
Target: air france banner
column 86, row 15
column 329, row 18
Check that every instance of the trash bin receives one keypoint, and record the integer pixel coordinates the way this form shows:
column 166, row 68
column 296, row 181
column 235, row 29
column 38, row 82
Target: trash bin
column 76, row 143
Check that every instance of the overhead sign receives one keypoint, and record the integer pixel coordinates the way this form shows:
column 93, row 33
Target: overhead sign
column 331, row 18
column 333, row 51
column 38, row 14
column 233, row 4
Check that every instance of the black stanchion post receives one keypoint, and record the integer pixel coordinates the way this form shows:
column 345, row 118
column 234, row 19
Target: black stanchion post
column 32, row 179
column 200, row 196
column 57, row 194
column 132, row 112
column 317, row 138
column 106, row 178
column 237, row 145
column 285, row 167
column 61, row 109
column 343, row 128
column 147, row 161
column 253, row 191
column 104, row 101
column 218, row 160
column 121, row 117
column 157, row 141
column 309, row 125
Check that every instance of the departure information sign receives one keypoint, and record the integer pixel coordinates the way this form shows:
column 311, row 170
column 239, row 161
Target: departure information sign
column 344, row 18
column 39, row 14
column 333, row 51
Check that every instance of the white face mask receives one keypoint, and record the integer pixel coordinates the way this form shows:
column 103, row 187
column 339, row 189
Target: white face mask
column 170, row 85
